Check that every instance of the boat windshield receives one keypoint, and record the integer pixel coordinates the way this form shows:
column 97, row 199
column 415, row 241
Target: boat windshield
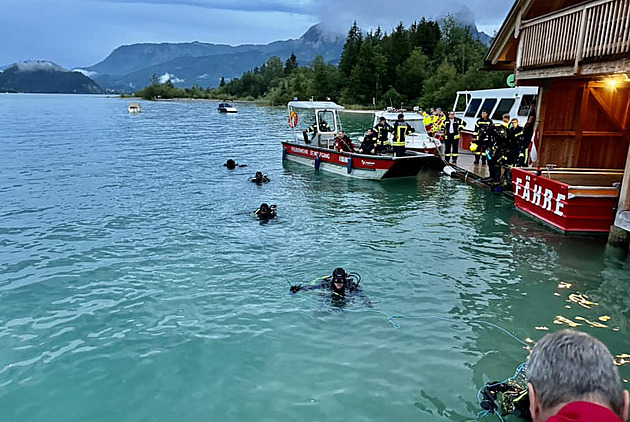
column 326, row 121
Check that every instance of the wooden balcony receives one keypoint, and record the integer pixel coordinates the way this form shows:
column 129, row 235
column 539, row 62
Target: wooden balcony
column 592, row 38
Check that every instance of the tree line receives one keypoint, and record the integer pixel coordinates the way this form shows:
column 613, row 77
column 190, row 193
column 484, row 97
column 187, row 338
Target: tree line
column 423, row 65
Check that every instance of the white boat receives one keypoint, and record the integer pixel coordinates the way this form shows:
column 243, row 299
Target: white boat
column 419, row 140
column 519, row 102
column 134, row 108
column 226, row 107
column 319, row 152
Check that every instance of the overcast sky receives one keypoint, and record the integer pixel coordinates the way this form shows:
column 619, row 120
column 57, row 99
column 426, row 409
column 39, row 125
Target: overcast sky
column 76, row 33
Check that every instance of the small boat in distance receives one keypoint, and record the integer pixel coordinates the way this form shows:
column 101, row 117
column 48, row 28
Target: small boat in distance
column 319, row 151
column 226, row 107
column 134, row 108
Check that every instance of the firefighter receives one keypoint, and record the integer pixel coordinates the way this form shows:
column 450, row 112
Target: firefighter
column 401, row 129
column 382, row 129
column 497, row 150
column 452, row 129
column 515, row 141
column 483, row 127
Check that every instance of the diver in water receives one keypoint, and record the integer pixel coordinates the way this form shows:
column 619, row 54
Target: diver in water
column 342, row 285
column 265, row 211
column 260, row 178
column 509, row 397
column 231, row 164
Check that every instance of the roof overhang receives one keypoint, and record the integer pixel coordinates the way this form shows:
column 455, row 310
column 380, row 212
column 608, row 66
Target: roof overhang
column 504, row 48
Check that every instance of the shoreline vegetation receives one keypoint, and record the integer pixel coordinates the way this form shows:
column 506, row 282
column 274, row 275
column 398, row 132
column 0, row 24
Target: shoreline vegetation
column 423, row 65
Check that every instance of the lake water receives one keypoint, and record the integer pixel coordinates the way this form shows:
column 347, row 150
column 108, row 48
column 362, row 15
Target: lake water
column 135, row 284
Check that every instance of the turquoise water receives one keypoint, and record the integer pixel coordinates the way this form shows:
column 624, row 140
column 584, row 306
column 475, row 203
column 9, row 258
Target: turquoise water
column 135, row 285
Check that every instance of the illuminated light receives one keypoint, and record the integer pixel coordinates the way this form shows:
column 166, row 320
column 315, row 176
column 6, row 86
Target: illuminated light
column 613, row 83
column 605, row 318
column 564, row 285
column 542, row 328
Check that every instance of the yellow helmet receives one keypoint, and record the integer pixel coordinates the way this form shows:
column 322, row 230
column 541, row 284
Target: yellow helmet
column 473, row 147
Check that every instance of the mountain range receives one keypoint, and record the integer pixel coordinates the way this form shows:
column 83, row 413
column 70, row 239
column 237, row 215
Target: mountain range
column 131, row 67
column 45, row 77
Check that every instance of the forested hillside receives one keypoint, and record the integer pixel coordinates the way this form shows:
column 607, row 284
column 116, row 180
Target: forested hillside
column 424, row 65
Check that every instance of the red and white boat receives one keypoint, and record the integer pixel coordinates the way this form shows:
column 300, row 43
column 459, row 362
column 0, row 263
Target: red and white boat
column 569, row 200
column 318, row 151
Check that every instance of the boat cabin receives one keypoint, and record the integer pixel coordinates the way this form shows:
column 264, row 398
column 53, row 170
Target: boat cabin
column 324, row 123
column 518, row 102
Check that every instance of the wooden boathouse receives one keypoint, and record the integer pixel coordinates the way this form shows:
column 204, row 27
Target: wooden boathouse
column 578, row 54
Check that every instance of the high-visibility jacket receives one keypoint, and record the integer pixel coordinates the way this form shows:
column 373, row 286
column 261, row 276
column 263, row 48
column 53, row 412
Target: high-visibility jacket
column 400, row 130
column 382, row 131
column 457, row 125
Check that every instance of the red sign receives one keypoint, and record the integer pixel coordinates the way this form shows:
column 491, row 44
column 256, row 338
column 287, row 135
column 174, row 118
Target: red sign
column 559, row 205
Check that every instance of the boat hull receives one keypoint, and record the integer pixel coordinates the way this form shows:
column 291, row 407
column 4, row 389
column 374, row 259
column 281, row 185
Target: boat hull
column 359, row 165
column 569, row 208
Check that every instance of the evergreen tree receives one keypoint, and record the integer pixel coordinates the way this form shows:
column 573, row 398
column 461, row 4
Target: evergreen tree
column 222, row 83
column 351, row 50
column 290, row 65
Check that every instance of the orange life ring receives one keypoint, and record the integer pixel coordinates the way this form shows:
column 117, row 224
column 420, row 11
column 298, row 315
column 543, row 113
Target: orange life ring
column 293, row 119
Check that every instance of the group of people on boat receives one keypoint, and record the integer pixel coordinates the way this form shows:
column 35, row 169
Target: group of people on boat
column 375, row 141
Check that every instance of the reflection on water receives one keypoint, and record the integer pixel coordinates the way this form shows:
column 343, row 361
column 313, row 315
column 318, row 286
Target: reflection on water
column 132, row 266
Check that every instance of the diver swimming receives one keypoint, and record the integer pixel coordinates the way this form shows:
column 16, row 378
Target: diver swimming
column 343, row 287
column 266, row 211
column 260, row 178
column 509, row 397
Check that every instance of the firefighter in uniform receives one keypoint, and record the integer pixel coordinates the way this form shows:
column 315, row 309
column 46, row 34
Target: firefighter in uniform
column 401, row 129
column 497, row 150
column 452, row 128
column 515, row 140
column 382, row 129
column 481, row 136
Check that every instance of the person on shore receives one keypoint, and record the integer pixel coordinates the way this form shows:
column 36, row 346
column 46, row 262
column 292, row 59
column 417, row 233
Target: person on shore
column 231, row 164
column 260, row 178
column 481, row 136
column 265, row 211
column 571, row 377
column 342, row 286
column 343, row 143
column 400, row 129
column 383, row 129
column 369, row 144
column 515, row 141
column 452, row 131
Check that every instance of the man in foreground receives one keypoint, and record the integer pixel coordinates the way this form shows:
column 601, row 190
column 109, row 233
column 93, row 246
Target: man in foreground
column 572, row 378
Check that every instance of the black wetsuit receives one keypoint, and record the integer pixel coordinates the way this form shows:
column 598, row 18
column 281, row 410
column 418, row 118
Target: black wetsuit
column 350, row 293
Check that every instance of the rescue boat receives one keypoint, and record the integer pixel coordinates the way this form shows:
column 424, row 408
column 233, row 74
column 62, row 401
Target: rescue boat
column 319, row 152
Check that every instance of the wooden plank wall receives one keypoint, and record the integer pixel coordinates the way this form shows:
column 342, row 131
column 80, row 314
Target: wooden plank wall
column 585, row 124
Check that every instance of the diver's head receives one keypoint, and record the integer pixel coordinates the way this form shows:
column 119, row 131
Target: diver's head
column 339, row 281
column 230, row 164
column 264, row 208
column 259, row 175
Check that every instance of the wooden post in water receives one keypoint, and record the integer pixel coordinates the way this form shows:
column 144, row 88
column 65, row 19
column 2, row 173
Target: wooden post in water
column 619, row 234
